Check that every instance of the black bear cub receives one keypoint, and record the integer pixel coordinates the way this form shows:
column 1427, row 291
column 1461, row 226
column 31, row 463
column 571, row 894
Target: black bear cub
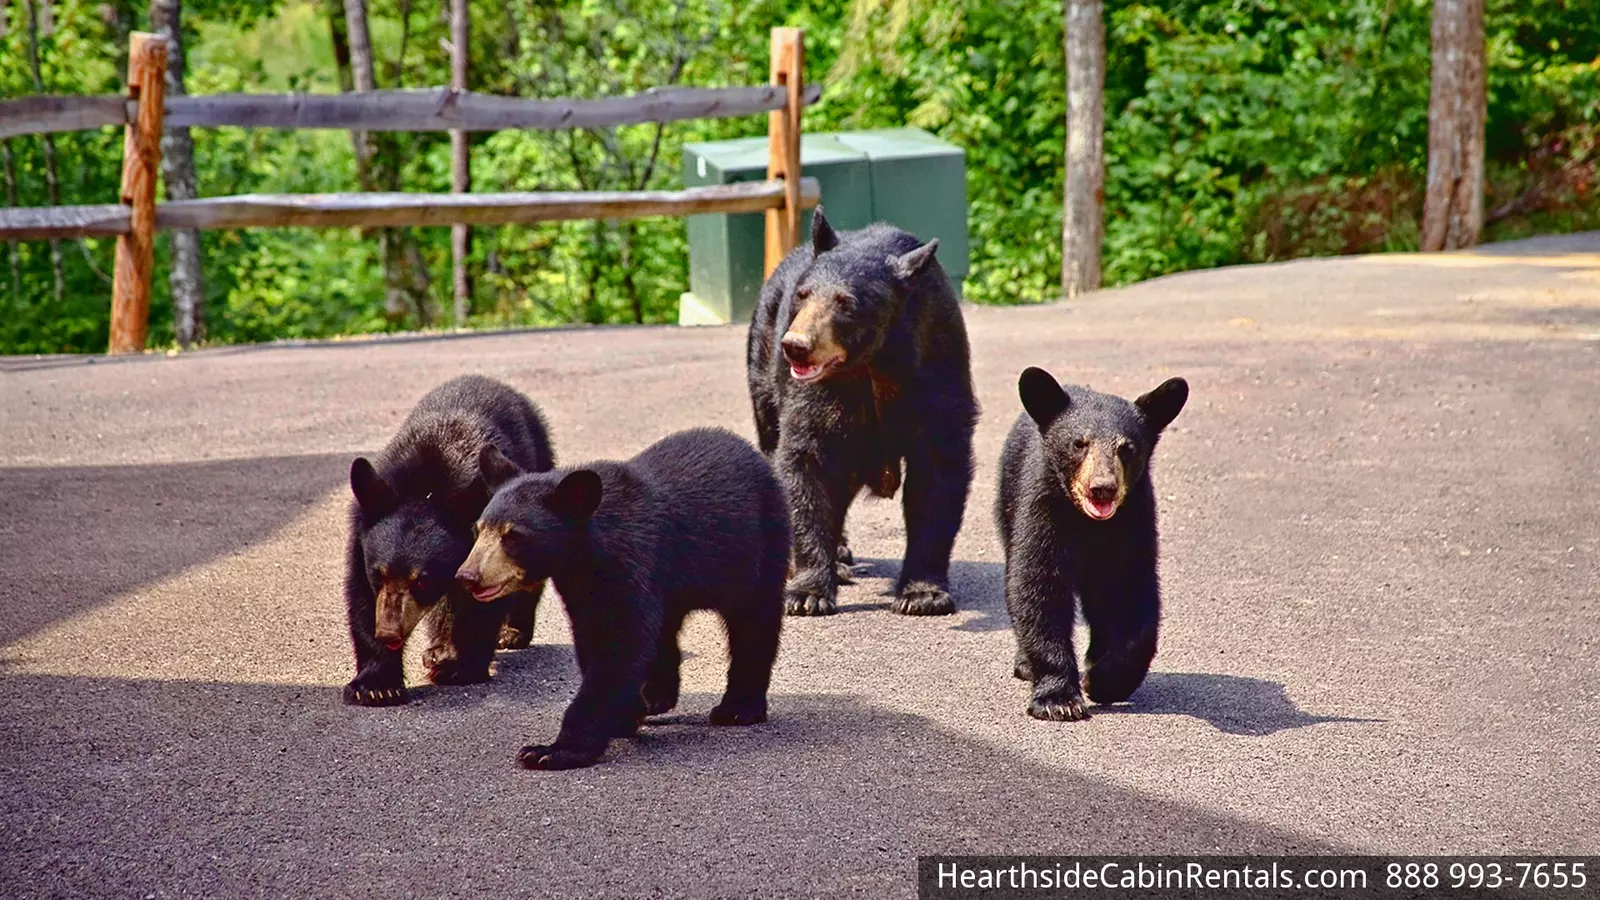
column 696, row 521
column 1077, row 516
column 411, row 527
column 857, row 363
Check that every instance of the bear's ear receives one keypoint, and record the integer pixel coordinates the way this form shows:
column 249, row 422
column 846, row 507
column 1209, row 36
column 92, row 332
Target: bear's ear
column 495, row 468
column 823, row 237
column 907, row 266
column 373, row 495
column 577, row 496
column 1042, row 395
column 1163, row 404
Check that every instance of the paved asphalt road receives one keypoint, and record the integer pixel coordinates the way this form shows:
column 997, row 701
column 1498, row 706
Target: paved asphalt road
column 1381, row 531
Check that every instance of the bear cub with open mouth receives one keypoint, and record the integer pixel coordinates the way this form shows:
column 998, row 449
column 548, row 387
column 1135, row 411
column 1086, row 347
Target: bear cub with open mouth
column 696, row 521
column 411, row 527
column 1077, row 517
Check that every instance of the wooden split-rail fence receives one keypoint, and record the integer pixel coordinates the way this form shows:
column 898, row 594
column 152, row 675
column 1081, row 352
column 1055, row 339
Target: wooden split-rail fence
column 136, row 217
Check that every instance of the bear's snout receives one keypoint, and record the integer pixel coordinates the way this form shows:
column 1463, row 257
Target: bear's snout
column 797, row 348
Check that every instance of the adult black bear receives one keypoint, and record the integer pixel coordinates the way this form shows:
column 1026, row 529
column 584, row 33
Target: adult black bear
column 696, row 521
column 1077, row 516
column 411, row 527
column 858, row 362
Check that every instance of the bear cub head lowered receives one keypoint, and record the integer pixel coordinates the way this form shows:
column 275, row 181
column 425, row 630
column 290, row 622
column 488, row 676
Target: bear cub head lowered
column 1098, row 446
column 411, row 546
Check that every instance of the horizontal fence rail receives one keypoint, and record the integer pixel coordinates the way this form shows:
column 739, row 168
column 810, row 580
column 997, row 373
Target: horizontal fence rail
column 440, row 109
column 400, row 209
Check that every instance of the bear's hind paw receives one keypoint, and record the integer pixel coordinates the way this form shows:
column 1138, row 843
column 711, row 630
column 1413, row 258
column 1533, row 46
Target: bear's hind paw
column 922, row 598
column 553, row 758
column 806, row 603
column 514, row 638
column 730, row 712
column 451, row 671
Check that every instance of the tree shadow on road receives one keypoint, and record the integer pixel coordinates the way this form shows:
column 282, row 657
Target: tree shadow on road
column 119, row 787
column 1232, row 704
column 72, row 538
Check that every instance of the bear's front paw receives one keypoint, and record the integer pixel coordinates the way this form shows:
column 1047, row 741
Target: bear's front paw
column 359, row 693
column 514, row 638
column 737, row 712
column 1060, row 707
column 539, row 756
column 923, row 598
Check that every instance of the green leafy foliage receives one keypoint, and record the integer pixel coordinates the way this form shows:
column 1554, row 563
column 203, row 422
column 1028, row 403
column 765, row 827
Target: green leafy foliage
column 1236, row 131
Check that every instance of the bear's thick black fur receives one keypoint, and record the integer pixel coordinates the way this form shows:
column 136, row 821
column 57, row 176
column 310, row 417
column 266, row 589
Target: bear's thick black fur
column 858, row 362
column 696, row 521
column 1077, row 517
column 411, row 527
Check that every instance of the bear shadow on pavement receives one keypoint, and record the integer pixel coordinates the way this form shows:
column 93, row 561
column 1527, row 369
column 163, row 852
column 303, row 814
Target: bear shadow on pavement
column 181, row 788
column 1232, row 704
column 74, row 537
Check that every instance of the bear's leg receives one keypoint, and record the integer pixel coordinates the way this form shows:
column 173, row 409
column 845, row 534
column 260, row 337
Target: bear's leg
column 1124, row 617
column 938, row 474
column 819, row 497
column 1021, row 669
column 1039, row 595
column 615, row 653
column 517, row 632
column 844, row 560
column 661, row 687
column 474, row 632
column 752, row 649
column 380, row 676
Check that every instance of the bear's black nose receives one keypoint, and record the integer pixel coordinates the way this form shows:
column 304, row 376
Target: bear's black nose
column 797, row 348
column 1103, row 493
column 468, row 578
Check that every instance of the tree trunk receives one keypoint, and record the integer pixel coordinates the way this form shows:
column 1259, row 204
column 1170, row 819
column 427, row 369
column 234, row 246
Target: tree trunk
column 51, row 181
column 1084, row 206
column 379, row 170
column 11, row 200
column 460, row 162
column 1452, row 213
column 177, row 171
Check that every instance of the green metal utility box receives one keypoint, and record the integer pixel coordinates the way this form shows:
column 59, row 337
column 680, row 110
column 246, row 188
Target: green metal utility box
column 904, row 176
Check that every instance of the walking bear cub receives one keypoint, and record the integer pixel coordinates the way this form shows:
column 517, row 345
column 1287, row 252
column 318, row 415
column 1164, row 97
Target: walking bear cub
column 411, row 527
column 696, row 521
column 858, row 363
column 1077, row 517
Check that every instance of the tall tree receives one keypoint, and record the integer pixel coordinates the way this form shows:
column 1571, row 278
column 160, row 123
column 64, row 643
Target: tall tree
column 52, row 180
column 405, row 275
column 1083, row 213
column 460, row 161
column 177, row 171
column 1452, row 213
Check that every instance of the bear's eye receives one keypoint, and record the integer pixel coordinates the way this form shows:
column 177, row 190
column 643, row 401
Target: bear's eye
column 1127, row 450
column 1081, row 443
column 803, row 294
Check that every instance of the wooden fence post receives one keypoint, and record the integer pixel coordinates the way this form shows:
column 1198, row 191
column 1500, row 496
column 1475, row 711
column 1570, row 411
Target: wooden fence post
column 783, row 143
column 141, row 161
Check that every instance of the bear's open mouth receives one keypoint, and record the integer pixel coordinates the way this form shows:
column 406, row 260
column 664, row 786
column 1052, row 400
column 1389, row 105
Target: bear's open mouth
column 810, row 372
column 395, row 644
column 486, row 592
column 1098, row 509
